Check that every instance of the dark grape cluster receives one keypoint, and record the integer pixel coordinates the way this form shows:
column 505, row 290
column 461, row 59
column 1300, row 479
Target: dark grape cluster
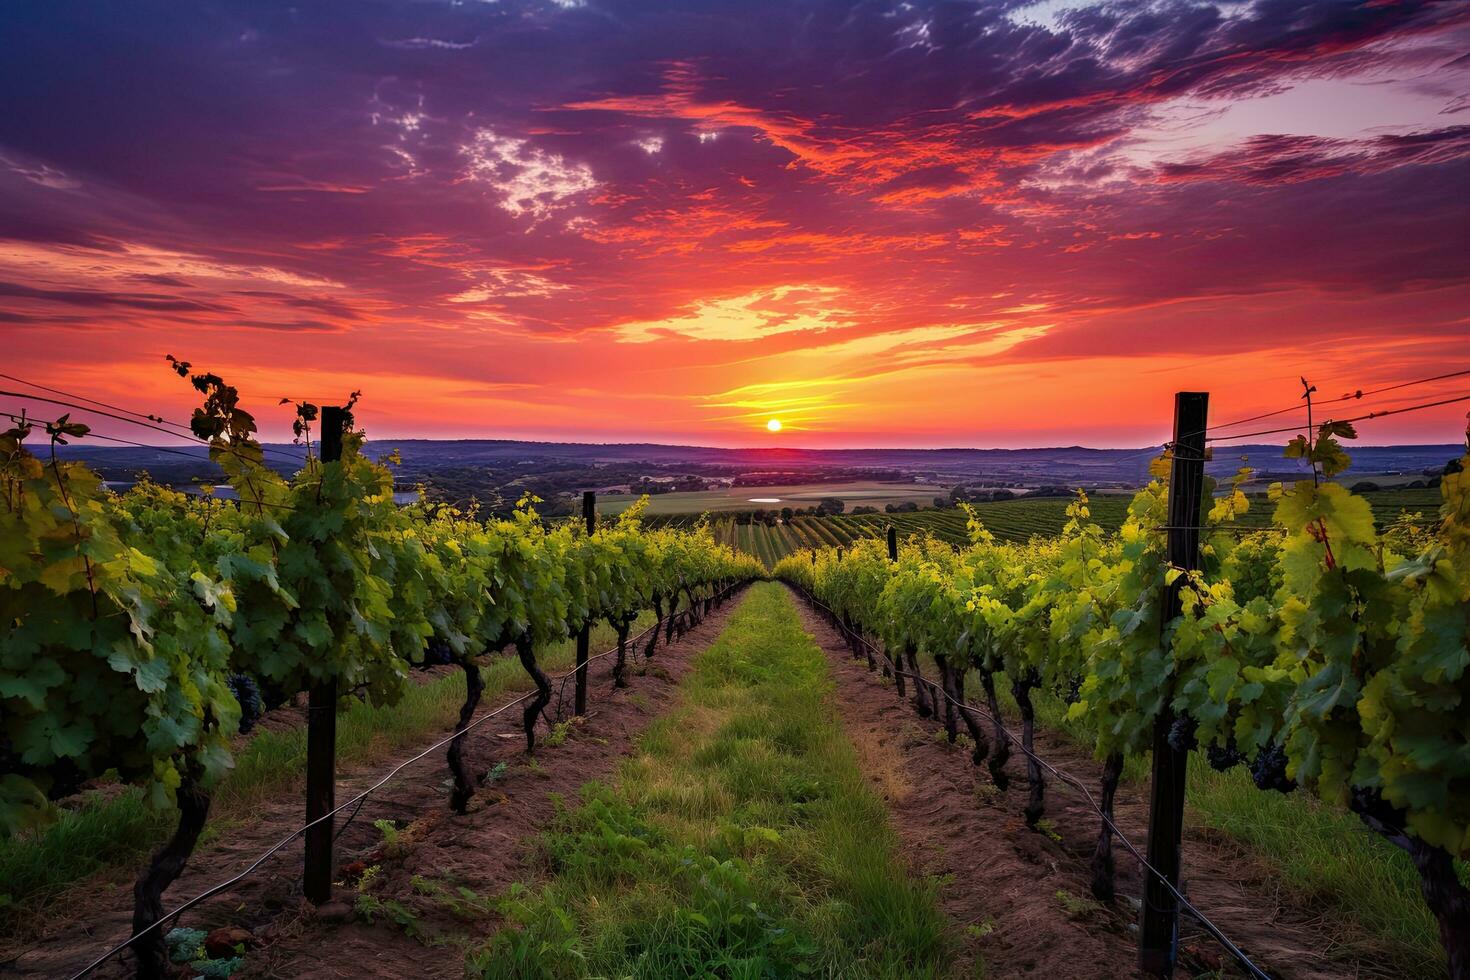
column 1269, row 769
column 252, row 705
column 437, row 653
column 1181, row 734
column 1223, row 757
column 1074, row 693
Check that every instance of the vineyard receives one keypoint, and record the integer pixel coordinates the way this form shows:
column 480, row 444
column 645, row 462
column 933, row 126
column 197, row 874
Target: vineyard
column 144, row 633
column 1007, row 520
column 210, row 662
column 1322, row 654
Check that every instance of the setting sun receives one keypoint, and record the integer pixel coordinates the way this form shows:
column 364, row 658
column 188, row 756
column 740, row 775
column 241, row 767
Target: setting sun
column 774, row 425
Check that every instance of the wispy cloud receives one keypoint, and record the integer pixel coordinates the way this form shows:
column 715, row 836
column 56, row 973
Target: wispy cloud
column 529, row 180
column 753, row 316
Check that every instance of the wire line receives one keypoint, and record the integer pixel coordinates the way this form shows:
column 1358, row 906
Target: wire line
column 1357, row 418
column 133, row 421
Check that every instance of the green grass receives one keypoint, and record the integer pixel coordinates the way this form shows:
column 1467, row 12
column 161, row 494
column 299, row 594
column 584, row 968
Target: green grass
column 113, row 832
column 741, row 840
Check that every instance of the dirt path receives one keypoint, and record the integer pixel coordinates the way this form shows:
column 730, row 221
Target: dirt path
column 1022, row 895
column 434, row 856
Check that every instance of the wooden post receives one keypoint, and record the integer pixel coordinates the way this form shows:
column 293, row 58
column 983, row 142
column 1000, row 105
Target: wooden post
column 321, row 731
column 1158, row 943
column 584, row 635
column 895, row 663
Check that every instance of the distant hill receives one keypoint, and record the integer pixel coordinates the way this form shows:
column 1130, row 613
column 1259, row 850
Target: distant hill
column 1065, row 465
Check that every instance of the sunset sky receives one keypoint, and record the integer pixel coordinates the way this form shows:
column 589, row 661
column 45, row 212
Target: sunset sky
column 884, row 223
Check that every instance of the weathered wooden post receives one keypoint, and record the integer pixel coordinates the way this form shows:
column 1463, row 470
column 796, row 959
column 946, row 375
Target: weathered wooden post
column 589, row 514
column 1158, row 944
column 321, row 730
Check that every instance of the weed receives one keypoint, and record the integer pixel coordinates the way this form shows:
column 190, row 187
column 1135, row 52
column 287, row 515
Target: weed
column 461, row 902
column 562, row 729
column 1076, row 906
column 372, row 908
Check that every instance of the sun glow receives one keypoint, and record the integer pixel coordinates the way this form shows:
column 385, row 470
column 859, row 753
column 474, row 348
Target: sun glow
column 774, row 425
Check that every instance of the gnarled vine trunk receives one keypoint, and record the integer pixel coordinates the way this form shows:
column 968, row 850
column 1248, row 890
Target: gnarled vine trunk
column 922, row 702
column 673, row 617
column 658, row 623
column 474, row 686
column 620, row 667
column 898, row 672
column 951, row 722
column 536, row 705
column 1102, row 857
column 1439, row 882
column 972, row 723
column 855, row 644
column 1002, row 752
column 1036, row 802
column 165, row 868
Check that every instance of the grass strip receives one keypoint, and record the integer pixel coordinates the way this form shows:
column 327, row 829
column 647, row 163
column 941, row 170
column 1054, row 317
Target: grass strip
column 740, row 840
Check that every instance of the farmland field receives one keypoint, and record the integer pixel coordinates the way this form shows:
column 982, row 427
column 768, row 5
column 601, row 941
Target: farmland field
column 854, row 494
column 1008, row 520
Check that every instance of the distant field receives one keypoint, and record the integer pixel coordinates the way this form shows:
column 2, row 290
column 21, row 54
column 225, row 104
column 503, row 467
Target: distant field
column 1009, row 520
column 774, row 498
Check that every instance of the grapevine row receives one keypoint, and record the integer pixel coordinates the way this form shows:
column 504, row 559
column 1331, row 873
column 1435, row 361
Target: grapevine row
column 1321, row 652
column 140, row 633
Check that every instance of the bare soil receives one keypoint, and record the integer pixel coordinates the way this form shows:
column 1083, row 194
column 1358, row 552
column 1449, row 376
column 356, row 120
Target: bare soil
column 423, row 922
column 1022, row 897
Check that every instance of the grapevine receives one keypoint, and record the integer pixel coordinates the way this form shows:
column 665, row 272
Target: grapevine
column 1322, row 653
column 143, row 632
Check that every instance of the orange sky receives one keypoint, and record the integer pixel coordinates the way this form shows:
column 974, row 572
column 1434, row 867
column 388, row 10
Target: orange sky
column 924, row 226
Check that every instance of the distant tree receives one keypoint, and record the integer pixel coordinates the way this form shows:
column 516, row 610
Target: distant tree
column 831, row 505
column 1365, row 486
column 786, row 514
column 864, row 509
